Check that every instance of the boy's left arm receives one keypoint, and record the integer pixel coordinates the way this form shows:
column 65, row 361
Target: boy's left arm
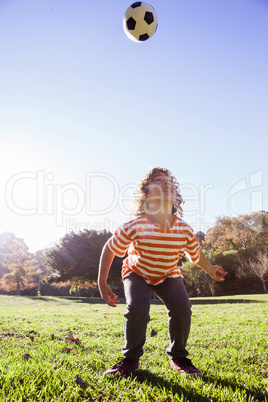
column 215, row 271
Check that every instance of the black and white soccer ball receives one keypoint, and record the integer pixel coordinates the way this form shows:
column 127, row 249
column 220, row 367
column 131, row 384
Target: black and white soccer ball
column 140, row 21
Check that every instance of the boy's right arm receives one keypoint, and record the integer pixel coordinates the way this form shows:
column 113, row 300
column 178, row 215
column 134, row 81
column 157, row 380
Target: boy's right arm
column 106, row 292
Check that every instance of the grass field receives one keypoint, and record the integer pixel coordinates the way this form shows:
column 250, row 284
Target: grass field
column 228, row 342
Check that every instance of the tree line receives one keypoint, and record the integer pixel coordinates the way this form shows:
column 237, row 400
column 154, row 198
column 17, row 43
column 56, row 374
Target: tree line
column 239, row 245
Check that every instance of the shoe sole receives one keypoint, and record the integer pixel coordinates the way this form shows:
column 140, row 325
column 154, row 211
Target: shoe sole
column 198, row 374
column 195, row 375
column 120, row 374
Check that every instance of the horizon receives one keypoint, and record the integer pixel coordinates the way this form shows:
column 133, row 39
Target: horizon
column 56, row 242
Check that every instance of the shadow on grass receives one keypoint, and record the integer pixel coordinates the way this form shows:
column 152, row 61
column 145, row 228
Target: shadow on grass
column 160, row 383
column 224, row 301
column 65, row 299
column 96, row 300
column 251, row 395
column 156, row 381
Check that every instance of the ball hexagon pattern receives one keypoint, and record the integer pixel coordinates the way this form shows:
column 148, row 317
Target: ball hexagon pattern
column 140, row 21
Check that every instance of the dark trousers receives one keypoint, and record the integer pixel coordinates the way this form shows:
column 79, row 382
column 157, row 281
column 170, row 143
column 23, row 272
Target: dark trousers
column 138, row 296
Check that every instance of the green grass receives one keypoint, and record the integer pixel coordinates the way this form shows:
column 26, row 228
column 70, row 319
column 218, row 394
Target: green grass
column 228, row 342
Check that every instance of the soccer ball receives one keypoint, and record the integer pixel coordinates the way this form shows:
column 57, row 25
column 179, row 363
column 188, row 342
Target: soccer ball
column 140, row 21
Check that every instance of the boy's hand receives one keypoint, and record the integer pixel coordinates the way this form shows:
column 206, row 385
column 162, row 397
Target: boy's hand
column 108, row 295
column 218, row 273
column 215, row 271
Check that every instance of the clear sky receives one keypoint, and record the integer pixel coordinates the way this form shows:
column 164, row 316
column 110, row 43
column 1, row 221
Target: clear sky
column 85, row 112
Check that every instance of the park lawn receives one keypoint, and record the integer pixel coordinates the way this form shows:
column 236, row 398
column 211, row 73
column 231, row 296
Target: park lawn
column 228, row 342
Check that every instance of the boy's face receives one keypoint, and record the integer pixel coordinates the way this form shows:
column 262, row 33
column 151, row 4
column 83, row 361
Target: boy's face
column 161, row 189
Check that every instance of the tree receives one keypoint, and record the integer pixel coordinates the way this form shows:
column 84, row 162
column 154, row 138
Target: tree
column 14, row 279
column 260, row 225
column 76, row 259
column 200, row 237
column 43, row 273
column 236, row 243
column 3, row 270
column 21, row 276
column 246, row 233
column 10, row 245
column 259, row 266
column 15, row 258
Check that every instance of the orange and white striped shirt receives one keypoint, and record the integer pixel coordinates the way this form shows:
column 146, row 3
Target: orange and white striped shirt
column 153, row 250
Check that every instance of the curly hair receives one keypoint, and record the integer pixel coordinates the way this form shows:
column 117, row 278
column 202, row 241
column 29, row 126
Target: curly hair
column 141, row 191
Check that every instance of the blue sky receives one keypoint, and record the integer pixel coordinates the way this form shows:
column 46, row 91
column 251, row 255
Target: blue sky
column 85, row 112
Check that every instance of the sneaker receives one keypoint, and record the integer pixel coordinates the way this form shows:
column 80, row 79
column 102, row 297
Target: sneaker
column 124, row 367
column 185, row 366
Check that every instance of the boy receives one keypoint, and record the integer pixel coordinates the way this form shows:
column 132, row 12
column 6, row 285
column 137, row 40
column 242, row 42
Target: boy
column 156, row 239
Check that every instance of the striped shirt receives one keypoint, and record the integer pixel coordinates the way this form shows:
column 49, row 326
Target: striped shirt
column 153, row 250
